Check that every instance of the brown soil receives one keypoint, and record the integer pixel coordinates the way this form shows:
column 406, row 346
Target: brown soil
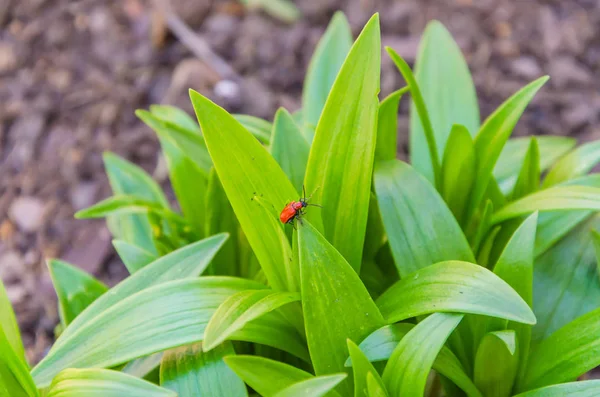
column 73, row 72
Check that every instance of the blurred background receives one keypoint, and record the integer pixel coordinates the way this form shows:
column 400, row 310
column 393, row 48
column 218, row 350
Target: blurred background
column 73, row 72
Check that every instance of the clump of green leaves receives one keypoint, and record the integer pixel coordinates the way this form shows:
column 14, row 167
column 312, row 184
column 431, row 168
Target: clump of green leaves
column 465, row 272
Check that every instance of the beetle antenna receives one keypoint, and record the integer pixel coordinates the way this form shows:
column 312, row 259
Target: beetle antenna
column 309, row 197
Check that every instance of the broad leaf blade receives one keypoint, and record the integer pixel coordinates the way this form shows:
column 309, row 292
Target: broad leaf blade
column 494, row 133
column 289, row 148
column 8, row 323
column 569, row 352
column 14, row 371
column 314, row 387
column 176, row 116
column 75, row 289
column 552, row 199
column 240, row 309
column 507, row 167
column 261, row 129
column 453, row 286
column 529, row 177
column 175, row 313
column 414, row 215
column 375, row 386
column 407, row 369
column 380, row 345
column 577, row 163
column 190, row 372
column 348, row 125
column 332, row 290
column 496, row 364
column 240, row 162
column 187, row 262
column 458, row 171
column 134, row 257
column 324, row 67
column 387, row 126
column 103, row 383
column 267, row 377
column 448, row 91
column 588, row 388
column 361, row 368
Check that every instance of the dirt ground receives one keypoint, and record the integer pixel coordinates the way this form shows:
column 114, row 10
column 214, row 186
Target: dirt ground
column 73, row 72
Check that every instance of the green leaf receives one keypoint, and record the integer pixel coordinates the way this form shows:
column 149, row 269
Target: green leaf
column 14, row 371
column 261, row 129
column 332, row 290
column 569, row 270
column 588, row 388
column 103, row 383
column 329, row 55
column 220, row 218
column 418, row 102
column 494, row 133
column 174, row 313
column 507, row 167
column 141, row 367
column 515, row 266
column 496, row 364
column 553, row 226
column 361, row 368
column 314, row 387
column 188, row 178
column 240, row 162
column 566, row 354
column 414, row 215
column 375, row 387
column 134, row 257
column 380, row 344
column 453, row 286
column 289, row 147
column 529, row 178
column 577, row 163
column 387, row 126
column 186, row 262
column 458, row 171
column 348, row 125
column 551, row 199
column 127, row 178
column 267, row 377
column 123, row 205
column 407, row 369
column 176, row 116
column 8, row 323
column 75, row 289
column 191, row 372
column 240, row 309
column 448, row 92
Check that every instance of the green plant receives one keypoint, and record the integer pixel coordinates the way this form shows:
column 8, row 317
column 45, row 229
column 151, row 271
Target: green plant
column 463, row 263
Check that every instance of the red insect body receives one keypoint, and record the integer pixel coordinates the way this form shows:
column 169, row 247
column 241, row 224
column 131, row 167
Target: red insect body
column 291, row 211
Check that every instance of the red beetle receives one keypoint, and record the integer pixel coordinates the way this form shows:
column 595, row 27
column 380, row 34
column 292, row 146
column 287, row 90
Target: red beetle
column 295, row 209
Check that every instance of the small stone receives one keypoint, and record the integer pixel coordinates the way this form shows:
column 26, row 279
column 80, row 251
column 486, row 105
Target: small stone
column 12, row 266
column 566, row 70
column 8, row 58
column 27, row 213
column 526, row 67
column 83, row 195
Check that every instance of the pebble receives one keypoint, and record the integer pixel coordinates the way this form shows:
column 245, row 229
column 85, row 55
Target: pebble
column 526, row 67
column 27, row 213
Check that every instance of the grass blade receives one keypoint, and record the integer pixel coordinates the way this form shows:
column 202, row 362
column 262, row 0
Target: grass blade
column 314, row 387
column 529, row 178
column 387, row 126
column 8, row 323
column 361, row 368
column 261, row 129
column 577, row 163
column 134, row 257
column 348, row 124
